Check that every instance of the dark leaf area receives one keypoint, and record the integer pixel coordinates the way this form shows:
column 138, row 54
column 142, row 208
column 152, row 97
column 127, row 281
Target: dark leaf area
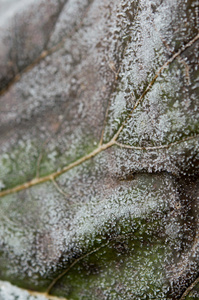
column 99, row 157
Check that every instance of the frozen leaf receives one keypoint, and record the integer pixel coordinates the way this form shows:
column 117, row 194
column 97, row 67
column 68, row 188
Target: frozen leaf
column 99, row 149
column 10, row 292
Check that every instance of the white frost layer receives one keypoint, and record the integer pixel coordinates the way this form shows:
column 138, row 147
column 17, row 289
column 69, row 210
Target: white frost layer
column 11, row 292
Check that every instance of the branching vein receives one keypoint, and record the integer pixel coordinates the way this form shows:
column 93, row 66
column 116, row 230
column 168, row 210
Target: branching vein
column 112, row 142
column 43, row 55
column 72, row 265
column 157, row 147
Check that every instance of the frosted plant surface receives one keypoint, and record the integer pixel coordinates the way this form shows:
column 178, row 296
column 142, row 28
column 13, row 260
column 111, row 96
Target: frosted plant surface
column 99, row 149
column 10, row 292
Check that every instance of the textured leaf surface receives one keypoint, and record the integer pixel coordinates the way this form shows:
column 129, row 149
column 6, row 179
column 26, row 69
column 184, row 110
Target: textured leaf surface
column 99, row 149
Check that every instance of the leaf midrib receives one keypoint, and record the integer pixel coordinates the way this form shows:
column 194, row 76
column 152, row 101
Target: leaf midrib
column 101, row 147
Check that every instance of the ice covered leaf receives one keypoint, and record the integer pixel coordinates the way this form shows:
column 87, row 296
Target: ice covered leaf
column 99, row 149
column 25, row 29
column 10, row 292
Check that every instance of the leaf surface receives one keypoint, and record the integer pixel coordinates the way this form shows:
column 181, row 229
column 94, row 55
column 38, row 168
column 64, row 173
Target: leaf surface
column 99, row 150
